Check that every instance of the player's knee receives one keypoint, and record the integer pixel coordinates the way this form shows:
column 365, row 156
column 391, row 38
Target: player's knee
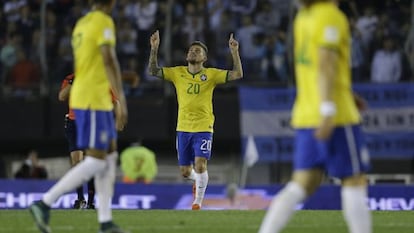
column 308, row 179
column 185, row 171
column 200, row 165
column 76, row 157
column 355, row 180
column 200, row 168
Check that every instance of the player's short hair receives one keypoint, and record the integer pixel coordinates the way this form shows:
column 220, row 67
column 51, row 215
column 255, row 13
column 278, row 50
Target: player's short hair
column 201, row 44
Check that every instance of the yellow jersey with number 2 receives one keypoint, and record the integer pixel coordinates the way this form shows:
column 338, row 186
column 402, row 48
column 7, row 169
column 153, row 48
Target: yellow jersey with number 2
column 321, row 25
column 195, row 96
column 90, row 90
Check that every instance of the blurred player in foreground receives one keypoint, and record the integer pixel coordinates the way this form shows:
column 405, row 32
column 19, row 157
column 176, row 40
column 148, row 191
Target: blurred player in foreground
column 194, row 86
column 97, row 71
column 76, row 154
column 326, row 119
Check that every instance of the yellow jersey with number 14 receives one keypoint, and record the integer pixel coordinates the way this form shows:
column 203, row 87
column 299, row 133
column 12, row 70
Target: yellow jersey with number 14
column 322, row 25
column 195, row 96
column 90, row 90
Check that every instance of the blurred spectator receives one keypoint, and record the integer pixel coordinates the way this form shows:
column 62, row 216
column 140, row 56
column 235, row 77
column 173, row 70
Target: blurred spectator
column 274, row 64
column 65, row 57
column 267, row 17
column 162, row 12
column 249, row 36
column 386, row 65
column 31, row 168
column 193, row 28
column 409, row 44
column 12, row 9
column 3, row 28
column 357, row 54
column 409, row 50
column 8, row 54
column 51, row 37
column 131, row 84
column 126, row 8
column 127, row 43
column 282, row 6
column 367, row 24
column 215, row 10
column 34, row 53
column 26, row 25
column 138, row 164
column 24, row 77
column 74, row 13
column 144, row 12
column 388, row 25
column 206, row 20
column 243, row 7
column 220, row 56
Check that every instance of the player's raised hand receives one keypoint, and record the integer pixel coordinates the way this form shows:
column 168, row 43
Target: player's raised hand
column 155, row 40
column 233, row 43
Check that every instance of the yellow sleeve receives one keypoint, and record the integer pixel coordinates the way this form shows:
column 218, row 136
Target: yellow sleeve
column 220, row 76
column 106, row 32
column 329, row 31
column 168, row 73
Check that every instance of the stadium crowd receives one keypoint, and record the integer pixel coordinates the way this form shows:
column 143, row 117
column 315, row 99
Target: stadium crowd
column 381, row 46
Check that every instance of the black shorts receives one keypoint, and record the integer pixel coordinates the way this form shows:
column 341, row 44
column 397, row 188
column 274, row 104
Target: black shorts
column 70, row 133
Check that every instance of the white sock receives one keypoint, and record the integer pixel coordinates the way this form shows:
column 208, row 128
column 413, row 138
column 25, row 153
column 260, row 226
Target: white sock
column 355, row 209
column 192, row 175
column 76, row 176
column 104, row 187
column 201, row 181
column 282, row 207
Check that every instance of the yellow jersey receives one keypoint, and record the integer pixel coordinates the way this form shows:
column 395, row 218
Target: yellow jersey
column 321, row 25
column 195, row 96
column 90, row 89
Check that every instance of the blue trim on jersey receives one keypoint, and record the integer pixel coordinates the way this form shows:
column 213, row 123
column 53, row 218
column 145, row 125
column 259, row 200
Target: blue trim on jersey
column 343, row 155
column 96, row 129
column 191, row 145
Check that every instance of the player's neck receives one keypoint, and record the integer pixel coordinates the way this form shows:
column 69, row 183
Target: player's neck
column 195, row 68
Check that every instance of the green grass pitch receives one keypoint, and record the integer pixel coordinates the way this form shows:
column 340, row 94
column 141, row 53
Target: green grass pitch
column 205, row 221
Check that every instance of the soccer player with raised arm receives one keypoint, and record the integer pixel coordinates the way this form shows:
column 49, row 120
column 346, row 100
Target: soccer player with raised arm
column 326, row 120
column 194, row 86
column 96, row 70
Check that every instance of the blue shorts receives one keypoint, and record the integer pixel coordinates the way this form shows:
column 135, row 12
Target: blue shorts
column 96, row 129
column 343, row 155
column 191, row 145
column 70, row 133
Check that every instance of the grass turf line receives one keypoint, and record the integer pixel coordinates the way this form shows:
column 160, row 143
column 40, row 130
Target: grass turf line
column 183, row 221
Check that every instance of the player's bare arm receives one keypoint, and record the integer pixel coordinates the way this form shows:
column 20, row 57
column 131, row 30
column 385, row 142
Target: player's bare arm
column 360, row 102
column 153, row 67
column 64, row 93
column 237, row 71
column 114, row 76
column 118, row 113
column 328, row 59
